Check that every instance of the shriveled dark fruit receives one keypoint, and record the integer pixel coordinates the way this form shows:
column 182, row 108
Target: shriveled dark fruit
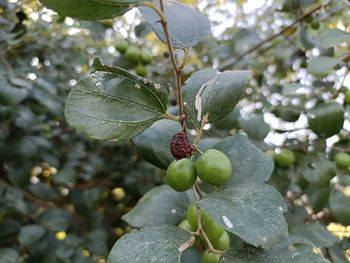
column 181, row 175
column 210, row 257
column 180, row 146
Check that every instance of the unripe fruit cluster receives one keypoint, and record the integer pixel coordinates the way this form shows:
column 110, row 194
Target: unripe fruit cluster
column 136, row 57
column 212, row 167
column 219, row 238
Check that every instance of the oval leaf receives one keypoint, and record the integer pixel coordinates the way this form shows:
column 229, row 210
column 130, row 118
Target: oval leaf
column 161, row 205
column 248, row 162
column 151, row 244
column 333, row 37
column 214, row 93
column 187, row 26
column 252, row 211
column 30, row 234
column 321, row 66
column 89, row 9
column 112, row 104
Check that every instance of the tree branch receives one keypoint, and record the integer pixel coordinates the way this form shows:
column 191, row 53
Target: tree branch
column 232, row 62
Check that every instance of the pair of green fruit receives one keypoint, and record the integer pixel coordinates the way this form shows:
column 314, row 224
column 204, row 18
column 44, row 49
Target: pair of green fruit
column 212, row 167
column 285, row 158
column 218, row 237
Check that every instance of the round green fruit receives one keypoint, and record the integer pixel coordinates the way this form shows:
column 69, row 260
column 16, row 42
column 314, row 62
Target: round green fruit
column 121, row 46
column 342, row 160
column 133, row 55
column 210, row 257
column 141, row 71
column 223, row 242
column 146, row 57
column 214, row 167
column 347, row 97
column 181, row 175
column 212, row 229
column 285, row 158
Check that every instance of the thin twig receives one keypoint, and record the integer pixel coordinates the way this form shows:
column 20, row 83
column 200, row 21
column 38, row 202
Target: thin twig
column 232, row 62
column 200, row 230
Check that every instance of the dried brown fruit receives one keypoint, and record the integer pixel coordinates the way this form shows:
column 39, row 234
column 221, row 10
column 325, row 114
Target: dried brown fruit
column 180, row 146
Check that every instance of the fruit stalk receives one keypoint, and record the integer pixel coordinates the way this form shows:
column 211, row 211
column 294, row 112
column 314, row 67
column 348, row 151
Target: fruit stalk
column 200, row 230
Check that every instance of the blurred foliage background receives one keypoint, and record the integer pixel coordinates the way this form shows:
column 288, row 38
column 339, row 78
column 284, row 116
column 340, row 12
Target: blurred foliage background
column 62, row 195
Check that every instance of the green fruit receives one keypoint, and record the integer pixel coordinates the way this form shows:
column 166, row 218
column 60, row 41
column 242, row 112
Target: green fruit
column 342, row 160
column 347, row 97
column 186, row 226
column 146, row 57
column 181, row 175
column 326, row 119
column 214, row 167
column 222, row 243
column 121, row 46
column 285, row 158
column 133, row 55
column 192, row 216
column 212, row 229
column 210, row 257
column 141, row 70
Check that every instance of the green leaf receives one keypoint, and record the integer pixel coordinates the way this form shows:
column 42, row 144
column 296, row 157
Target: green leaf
column 30, row 234
column 150, row 244
column 331, row 113
column 89, row 9
column 252, row 211
column 214, row 93
column 154, row 143
column 279, row 254
column 187, row 26
column 10, row 96
column 321, row 66
column 230, row 121
column 55, row 219
column 112, row 104
column 316, row 233
column 255, row 127
column 333, row 37
column 337, row 254
column 317, row 169
column 9, row 255
column 161, row 205
column 339, row 204
column 248, row 162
